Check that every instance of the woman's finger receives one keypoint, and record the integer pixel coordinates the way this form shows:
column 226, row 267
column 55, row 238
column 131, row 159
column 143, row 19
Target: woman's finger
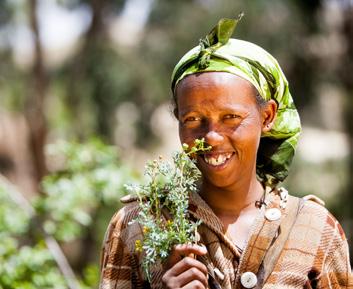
column 170, row 280
column 191, row 275
column 180, row 251
column 184, row 265
column 196, row 284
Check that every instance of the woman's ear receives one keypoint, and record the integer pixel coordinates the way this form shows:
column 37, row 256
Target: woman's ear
column 269, row 112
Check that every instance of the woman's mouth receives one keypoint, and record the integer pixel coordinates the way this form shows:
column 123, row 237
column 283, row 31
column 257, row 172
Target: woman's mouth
column 217, row 159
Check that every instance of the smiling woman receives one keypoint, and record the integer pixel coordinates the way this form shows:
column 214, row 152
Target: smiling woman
column 233, row 94
column 221, row 108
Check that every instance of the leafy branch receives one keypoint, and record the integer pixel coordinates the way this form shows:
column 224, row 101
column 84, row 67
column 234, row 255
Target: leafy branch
column 164, row 202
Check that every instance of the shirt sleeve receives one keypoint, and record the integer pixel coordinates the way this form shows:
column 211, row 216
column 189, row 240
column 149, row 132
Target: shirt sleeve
column 119, row 267
column 336, row 272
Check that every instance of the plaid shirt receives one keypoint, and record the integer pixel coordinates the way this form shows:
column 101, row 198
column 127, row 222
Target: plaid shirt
column 315, row 254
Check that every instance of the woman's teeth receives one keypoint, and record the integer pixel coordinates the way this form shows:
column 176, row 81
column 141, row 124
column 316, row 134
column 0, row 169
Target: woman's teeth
column 216, row 160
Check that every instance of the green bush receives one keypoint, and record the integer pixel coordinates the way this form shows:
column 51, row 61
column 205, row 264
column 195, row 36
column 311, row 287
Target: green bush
column 76, row 201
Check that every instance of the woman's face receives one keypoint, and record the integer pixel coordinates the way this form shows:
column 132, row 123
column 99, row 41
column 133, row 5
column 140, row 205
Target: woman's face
column 221, row 108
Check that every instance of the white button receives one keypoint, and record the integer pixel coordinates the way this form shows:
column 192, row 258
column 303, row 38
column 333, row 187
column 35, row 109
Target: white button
column 273, row 214
column 248, row 280
column 283, row 193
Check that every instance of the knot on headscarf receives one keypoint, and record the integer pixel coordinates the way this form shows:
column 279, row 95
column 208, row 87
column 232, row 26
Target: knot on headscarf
column 218, row 52
column 218, row 36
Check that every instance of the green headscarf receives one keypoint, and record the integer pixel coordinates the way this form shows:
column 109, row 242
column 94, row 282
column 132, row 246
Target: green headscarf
column 218, row 52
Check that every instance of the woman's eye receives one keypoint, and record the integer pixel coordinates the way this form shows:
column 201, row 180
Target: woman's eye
column 192, row 119
column 231, row 116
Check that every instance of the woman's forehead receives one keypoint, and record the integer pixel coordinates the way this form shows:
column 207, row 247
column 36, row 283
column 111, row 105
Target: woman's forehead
column 211, row 78
column 214, row 84
column 214, row 90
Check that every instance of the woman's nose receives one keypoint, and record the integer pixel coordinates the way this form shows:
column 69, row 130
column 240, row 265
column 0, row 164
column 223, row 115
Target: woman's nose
column 213, row 138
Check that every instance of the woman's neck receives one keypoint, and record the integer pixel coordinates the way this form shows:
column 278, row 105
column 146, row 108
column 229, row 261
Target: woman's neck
column 232, row 200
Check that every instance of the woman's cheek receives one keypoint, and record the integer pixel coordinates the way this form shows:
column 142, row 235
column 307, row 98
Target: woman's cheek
column 189, row 134
column 246, row 136
column 186, row 137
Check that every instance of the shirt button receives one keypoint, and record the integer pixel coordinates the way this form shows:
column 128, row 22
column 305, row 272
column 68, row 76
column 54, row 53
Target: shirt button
column 248, row 280
column 273, row 214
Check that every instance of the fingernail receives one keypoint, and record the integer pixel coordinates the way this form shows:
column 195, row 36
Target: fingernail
column 203, row 248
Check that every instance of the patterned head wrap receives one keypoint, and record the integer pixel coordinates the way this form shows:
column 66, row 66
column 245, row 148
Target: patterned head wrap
column 217, row 52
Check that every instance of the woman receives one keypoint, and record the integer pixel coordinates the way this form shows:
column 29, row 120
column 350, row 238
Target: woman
column 233, row 94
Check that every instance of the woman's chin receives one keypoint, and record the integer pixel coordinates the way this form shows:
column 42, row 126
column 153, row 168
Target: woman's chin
column 217, row 182
column 219, row 178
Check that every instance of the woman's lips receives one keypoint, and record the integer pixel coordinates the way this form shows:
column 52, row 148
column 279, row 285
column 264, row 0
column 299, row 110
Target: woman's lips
column 217, row 159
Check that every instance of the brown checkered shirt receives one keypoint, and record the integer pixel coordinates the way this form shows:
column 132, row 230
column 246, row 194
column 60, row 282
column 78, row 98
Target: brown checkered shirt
column 315, row 254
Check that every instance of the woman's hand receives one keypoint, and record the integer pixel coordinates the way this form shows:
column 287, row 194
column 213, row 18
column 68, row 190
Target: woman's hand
column 183, row 271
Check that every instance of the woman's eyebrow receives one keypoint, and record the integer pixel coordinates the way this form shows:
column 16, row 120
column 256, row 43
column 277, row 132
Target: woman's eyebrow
column 183, row 113
column 234, row 107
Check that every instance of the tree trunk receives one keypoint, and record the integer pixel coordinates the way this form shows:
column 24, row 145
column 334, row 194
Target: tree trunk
column 35, row 101
column 80, row 69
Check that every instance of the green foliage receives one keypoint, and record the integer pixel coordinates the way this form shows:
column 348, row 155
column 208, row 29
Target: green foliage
column 28, row 267
column 167, row 189
column 89, row 179
column 90, row 276
column 23, row 266
column 13, row 221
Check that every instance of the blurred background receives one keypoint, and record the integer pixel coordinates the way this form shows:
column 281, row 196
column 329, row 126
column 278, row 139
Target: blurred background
column 85, row 101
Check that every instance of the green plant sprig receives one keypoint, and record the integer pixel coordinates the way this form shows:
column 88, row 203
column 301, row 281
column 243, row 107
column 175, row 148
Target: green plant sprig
column 167, row 191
